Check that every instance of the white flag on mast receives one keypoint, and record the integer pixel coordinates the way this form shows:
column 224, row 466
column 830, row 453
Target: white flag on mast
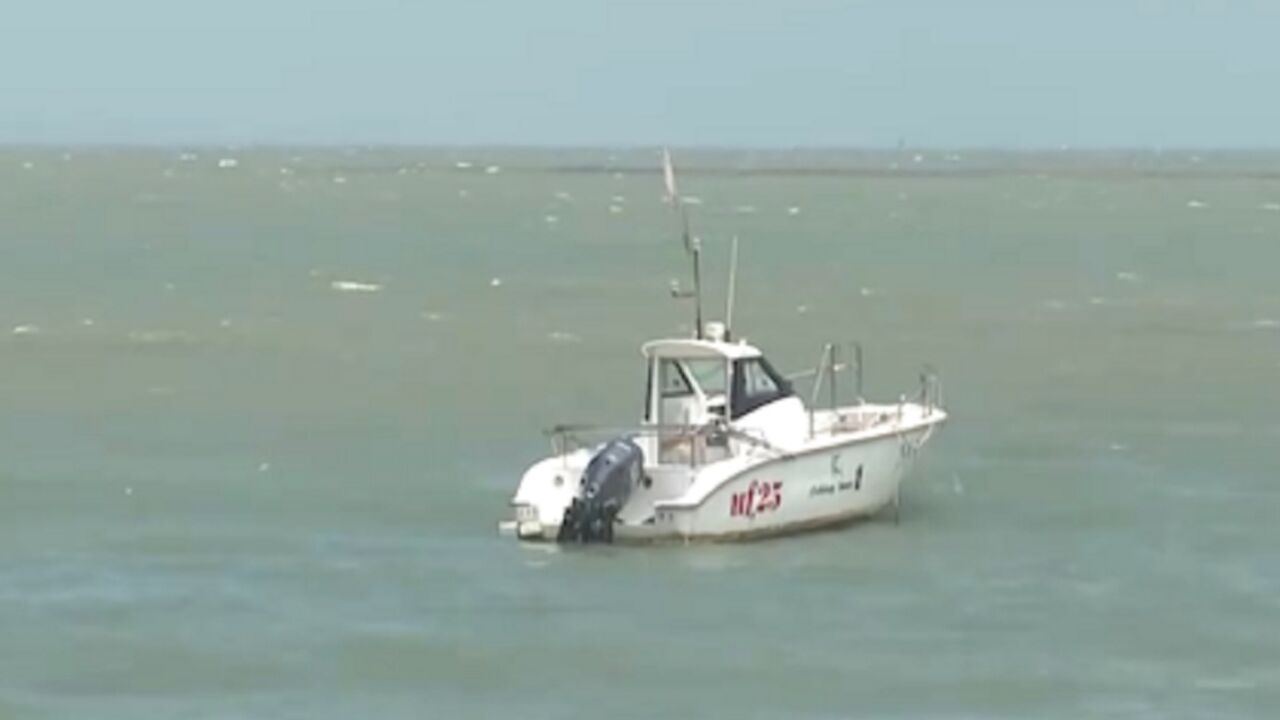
column 669, row 176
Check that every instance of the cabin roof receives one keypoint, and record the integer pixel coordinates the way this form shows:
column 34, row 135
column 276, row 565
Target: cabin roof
column 691, row 348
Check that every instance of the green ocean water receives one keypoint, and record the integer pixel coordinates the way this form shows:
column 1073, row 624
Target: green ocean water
column 230, row 489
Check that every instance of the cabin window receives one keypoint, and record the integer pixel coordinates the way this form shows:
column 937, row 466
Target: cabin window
column 755, row 384
column 672, row 380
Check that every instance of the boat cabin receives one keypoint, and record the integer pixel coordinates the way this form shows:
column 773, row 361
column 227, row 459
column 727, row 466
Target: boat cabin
column 694, row 382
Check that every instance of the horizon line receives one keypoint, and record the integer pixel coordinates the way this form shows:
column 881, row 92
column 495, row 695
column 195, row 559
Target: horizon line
column 640, row 146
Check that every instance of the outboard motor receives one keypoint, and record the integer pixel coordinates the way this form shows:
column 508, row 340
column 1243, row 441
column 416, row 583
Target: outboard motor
column 604, row 489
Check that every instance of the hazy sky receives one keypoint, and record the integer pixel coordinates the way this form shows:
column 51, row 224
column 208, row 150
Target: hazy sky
column 618, row 72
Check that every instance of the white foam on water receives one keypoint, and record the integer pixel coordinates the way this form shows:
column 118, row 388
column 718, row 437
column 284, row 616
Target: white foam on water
column 28, row 165
column 355, row 286
column 263, row 467
column 563, row 196
column 618, row 199
column 286, row 171
column 128, row 491
column 1117, row 447
column 495, row 282
column 462, row 165
column 1128, row 276
column 562, row 336
column 1196, row 204
column 27, row 329
column 224, row 323
column 691, row 200
column 802, row 309
column 188, row 157
column 1224, row 684
column 1272, row 206
column 1265, row 324
column 793, row 210
column 551, row 219
column 159, row 337
column 432, row 316
column 866, row 292
column 918, row 158
column 492, row 170
column 228, row 163
column 744, row 209
column 339, row 180
column 615, row 209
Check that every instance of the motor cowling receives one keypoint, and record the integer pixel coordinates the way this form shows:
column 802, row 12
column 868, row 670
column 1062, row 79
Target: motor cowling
column 605, row 487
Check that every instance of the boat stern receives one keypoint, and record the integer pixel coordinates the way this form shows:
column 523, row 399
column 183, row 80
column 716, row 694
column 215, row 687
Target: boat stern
column 546, row 490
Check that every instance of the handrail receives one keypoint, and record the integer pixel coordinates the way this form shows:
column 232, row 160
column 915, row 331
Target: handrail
column 857, row 366
column 930, row 390
column 802, row 374
column 825, row 360
column 559, row 433
column 831, row 377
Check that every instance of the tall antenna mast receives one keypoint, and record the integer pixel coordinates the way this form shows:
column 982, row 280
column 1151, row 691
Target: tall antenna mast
column 733, row 277
column 691, row 243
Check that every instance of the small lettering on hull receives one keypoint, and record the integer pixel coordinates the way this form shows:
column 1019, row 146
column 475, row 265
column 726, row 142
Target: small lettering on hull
column 831, row 489
column 838, row 482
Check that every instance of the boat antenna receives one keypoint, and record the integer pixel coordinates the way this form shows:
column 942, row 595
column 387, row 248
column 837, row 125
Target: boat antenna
column 733, row 276
column 691, row 244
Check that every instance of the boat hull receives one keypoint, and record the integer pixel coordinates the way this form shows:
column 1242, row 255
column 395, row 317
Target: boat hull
column 803, row 491
column 778, row 494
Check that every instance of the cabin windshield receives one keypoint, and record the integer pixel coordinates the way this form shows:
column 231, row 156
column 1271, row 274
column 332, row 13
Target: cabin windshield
column 710, row 377
column 756, row 384
column 690, row 390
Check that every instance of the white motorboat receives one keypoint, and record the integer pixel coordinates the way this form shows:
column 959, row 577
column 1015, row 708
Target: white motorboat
column 726, row 448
